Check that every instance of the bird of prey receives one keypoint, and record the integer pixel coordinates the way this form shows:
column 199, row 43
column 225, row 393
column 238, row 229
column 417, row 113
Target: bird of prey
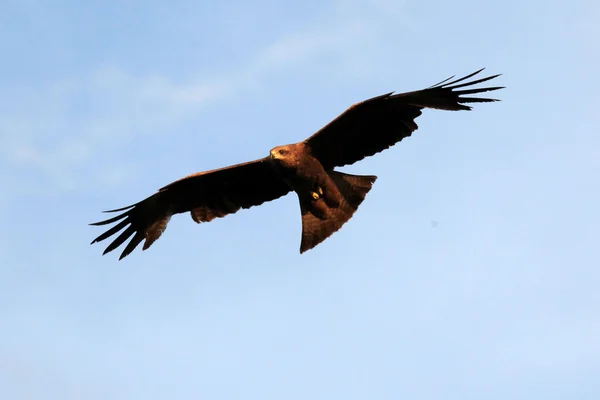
column 328, row 198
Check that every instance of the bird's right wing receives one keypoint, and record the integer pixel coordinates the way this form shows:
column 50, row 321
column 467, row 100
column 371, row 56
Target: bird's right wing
column 206, row 195
column 376, row 124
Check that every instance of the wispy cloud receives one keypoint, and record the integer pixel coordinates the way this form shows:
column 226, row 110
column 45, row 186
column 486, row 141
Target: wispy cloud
column 52, row 133
column 300, row 46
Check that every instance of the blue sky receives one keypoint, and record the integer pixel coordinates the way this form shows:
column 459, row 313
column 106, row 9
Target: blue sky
column 471, row 270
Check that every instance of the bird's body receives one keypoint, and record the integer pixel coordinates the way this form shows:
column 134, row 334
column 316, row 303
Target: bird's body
column 328, row 198
column 304, row 174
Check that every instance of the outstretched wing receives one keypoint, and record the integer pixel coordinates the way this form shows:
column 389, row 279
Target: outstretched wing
column 376, row 124
column 206, row 195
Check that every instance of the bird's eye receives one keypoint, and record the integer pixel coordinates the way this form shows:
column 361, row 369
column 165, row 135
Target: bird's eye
column 282, row 152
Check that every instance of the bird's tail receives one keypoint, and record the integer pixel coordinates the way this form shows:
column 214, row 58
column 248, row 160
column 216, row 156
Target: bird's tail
column 316, row 229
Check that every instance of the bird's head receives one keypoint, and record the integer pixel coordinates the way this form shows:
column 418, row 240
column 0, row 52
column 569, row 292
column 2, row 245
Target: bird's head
column 281, row 153
column 288, row 156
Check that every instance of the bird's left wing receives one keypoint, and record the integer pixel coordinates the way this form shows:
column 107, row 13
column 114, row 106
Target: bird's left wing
column 206, row 195
column 371, row 126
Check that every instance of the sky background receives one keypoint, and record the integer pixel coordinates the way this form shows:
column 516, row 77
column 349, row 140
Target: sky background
column 471, row 271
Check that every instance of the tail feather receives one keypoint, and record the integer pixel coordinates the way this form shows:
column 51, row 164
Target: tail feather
column 315, row 229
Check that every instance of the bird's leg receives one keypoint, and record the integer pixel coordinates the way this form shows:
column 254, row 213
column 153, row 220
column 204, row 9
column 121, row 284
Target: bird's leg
column 318, row 193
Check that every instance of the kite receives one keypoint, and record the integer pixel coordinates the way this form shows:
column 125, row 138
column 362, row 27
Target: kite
column 328, row 198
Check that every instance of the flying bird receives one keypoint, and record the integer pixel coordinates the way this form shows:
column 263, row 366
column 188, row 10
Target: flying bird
column 328, row 198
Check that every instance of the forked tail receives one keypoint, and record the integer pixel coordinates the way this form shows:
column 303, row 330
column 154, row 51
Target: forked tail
column 353, row 189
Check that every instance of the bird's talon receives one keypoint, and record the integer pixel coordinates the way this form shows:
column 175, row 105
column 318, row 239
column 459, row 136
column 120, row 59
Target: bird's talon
column 315, row 195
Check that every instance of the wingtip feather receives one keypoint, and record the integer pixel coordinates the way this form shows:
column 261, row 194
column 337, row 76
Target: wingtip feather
column 447, row 84
column 120, row 209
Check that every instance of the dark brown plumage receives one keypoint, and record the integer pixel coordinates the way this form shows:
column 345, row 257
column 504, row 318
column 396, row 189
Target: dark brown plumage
column 328, row 198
